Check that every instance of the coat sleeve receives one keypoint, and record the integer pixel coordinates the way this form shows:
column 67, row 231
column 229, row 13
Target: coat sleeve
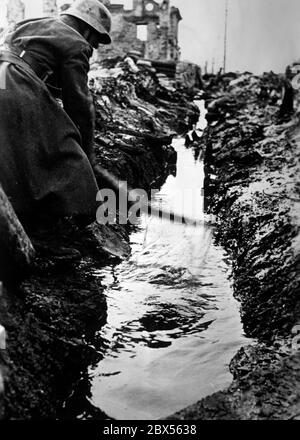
column 77, row 99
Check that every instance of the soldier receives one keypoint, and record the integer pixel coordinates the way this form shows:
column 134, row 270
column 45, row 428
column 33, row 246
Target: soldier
column 46, row 149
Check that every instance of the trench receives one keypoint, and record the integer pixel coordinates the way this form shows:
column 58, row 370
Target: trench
column 173, row 324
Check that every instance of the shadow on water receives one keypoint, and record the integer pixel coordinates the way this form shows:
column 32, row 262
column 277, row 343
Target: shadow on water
column 173, row 324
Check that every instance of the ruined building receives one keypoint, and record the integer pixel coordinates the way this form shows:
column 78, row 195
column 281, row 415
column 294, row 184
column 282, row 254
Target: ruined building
column 50, row 8
column 149, row 27
column 15, row 11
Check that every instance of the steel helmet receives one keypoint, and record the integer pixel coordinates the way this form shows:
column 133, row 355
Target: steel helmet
column 95, row 14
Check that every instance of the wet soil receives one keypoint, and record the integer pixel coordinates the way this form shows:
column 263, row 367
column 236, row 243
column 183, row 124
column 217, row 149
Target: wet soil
column 252, row 166
column 50, row 317
column 252, row 185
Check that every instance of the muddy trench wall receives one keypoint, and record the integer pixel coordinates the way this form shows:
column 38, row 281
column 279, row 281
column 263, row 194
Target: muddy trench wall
column 52, row 313
column 252, row 153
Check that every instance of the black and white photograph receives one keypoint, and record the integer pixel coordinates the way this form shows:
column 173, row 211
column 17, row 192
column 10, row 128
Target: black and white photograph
column 149, row 213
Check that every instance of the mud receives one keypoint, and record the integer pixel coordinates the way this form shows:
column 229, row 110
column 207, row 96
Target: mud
column 53, row 314
column 252, row 182
column 252, row 168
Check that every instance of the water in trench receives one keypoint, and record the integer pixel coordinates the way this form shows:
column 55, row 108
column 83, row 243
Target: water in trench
column 173, row 325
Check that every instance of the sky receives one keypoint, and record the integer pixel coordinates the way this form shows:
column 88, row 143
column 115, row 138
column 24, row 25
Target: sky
column 263, row 35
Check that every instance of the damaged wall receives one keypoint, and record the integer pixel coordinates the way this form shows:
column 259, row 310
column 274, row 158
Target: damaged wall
column 15, row 11
column 50, row 7
column 124, row 35
column 149, row 28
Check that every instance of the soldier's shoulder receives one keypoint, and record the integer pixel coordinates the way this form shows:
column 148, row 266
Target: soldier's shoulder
column 70, row 37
